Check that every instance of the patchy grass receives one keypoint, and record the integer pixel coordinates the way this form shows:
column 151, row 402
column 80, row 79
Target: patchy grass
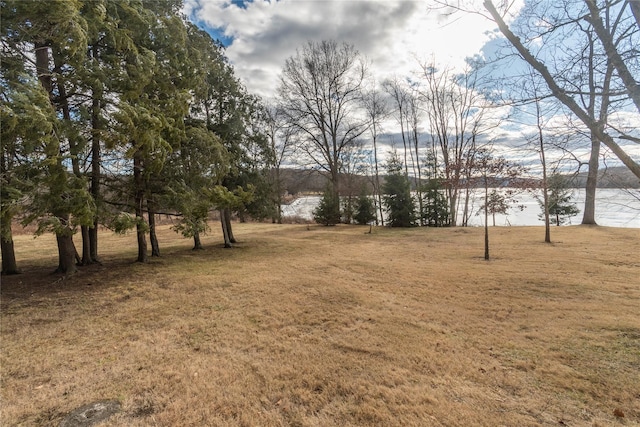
column 329, row 326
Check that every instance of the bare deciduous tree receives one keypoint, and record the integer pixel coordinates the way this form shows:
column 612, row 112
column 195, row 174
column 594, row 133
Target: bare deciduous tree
column 408, row 110
column 564, row 93
column 456, row 118
column 320, row 92
column 399, row 94
column 377, row 110
column 281, row 142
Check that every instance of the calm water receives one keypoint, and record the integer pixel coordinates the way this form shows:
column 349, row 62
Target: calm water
column 614, row 208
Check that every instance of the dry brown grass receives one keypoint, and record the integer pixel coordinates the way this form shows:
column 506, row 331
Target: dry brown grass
column 332, row 327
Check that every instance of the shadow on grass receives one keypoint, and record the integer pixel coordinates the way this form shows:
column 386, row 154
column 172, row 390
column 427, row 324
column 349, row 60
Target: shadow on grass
column 39, row 279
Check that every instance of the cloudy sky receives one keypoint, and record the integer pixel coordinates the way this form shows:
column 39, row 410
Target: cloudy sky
column 392, row 34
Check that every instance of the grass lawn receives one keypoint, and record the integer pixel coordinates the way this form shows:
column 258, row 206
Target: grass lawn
column 330, row 326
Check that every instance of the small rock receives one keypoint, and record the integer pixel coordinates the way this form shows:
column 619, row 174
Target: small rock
column 618, row 413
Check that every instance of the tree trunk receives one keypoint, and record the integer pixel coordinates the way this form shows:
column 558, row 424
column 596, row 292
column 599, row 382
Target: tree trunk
column 9, row 264
column 225, row 230
column 197, row 244
column 453, row 200
column 419, row 169
column 545, row 182
column 66, row 253
column 278, row 195
column 465, row 212
column 93, row 242
column 151, row 213
column 139, row 211
column 377, row 189
column 486, row 219
column 96, row 160
column 42, row 68
column 227, row 220
column 142, row 243
column 589, row 215
column 62, row 102
column 86, row 246
column 404, row 142
column 335, row 178
column 547, row 224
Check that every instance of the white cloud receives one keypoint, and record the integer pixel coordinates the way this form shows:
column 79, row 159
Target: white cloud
column 392, row 35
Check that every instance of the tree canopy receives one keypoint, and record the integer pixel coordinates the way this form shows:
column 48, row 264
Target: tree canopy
column 113, row 111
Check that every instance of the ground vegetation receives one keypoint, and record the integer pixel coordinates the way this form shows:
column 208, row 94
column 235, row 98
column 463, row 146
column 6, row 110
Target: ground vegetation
column 330, row 326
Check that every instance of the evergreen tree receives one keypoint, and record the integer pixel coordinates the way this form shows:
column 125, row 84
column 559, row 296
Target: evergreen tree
column 26, row 127
column 55, row 35
column 131, row 82
column 153, row 104
column 191, row 171
column 348, row 209
column 397, row 199
column 560, row 206
column 435, row 208
column 235, row 116
column 365, row 210
column 328, row 210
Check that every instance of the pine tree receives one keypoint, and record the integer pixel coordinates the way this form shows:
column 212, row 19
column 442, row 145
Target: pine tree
column 54, row 34
column 434, row 206
column 328, row 210
column 27, row 120
column 365, row 210
column 397, row 199
column 153, row 104
column 560, row 206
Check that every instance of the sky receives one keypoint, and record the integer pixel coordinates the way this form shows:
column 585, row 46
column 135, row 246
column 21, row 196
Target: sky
column 394, row 36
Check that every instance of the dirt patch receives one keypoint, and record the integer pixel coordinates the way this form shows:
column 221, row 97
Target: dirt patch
column 91, row 414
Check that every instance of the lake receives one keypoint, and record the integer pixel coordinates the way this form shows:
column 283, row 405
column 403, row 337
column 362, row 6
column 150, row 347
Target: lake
column 614, row 208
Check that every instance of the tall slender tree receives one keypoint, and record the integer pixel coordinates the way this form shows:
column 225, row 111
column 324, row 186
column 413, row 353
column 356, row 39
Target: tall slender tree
column 494, row 171
column 455, row 112
column 281, row 141
column 152, row 106
column 320, row 92
column 50, row 39
column 377, row 110
column 27, row 126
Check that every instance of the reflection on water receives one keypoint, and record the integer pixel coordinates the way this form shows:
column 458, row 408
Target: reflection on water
column 614, row 208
